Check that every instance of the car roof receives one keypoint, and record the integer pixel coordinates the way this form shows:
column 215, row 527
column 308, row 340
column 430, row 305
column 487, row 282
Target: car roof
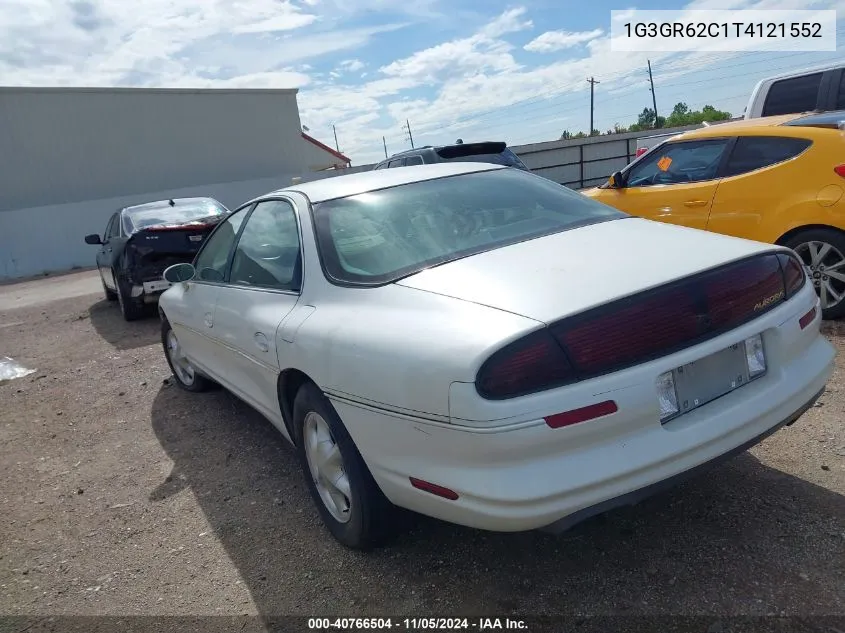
column 732, row 128
column 177, row 202
column 417, row 150
column 354, row 184
column 810, row 70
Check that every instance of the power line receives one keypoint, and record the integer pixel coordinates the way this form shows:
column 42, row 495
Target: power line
column 547, row 101
column 557, row 103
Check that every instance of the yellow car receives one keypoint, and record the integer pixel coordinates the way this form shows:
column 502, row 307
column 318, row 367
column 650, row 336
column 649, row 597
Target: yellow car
column 775, row 179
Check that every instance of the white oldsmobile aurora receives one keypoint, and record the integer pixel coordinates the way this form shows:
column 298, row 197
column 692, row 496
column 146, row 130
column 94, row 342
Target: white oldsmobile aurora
column 484, row 346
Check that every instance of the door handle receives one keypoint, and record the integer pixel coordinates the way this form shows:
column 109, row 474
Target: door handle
column 695, row 203
column 261, row 341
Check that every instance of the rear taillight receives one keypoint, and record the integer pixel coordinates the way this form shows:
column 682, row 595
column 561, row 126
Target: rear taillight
column 643, row 327
column 627, row 331
column 181, row 227
column 533, row 363
column 752, row 287
column 840, row 170
column 793, row 274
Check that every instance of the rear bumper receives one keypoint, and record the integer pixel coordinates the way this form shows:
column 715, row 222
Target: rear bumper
column 632, row 498
column 149, row 291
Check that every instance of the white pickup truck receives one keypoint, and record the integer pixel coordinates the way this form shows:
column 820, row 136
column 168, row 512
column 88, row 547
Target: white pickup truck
column 820, row 88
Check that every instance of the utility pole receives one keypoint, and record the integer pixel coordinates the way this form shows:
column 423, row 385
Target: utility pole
column 653, row 95
column 592, row 83
column 407, row 127
column 385, row 146
column 336, row 146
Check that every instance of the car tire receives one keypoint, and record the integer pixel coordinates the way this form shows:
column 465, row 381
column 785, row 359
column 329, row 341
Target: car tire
column 111, row 295
column 184, row 373
column 821, row 250
column 130, row 308
column 366, row 521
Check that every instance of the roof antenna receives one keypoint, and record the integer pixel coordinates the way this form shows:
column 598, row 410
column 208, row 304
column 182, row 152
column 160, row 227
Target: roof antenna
column 171, row 203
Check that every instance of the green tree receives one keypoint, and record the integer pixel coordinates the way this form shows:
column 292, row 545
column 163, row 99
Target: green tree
column 682, row 115
column 565, row 136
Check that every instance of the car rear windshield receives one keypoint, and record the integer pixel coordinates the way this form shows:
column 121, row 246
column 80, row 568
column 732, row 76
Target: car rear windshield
column 381, row 236
column 162, row 214
column 495, row 153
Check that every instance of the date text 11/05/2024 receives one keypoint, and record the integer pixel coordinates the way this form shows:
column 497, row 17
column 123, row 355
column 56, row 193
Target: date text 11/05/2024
column 774, row 30
column 416, row 624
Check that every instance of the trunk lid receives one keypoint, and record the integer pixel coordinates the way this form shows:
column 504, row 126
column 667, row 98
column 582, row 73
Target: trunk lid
column 155, row 248
column 560, row 275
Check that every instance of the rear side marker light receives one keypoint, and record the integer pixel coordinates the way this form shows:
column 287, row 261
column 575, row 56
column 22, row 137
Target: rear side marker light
column 583, row 414
column 434, row 489
column 840, row 170
column 808, row 318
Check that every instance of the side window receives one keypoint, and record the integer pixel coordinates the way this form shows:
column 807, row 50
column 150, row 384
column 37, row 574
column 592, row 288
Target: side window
column 115, row 226
column 211, row 261
column 414, row 160
column 395, row 163
column 789, row 96
column 677, row 163
column 755, row 152
column 380, row 166
column 267, row 255
column 109, row 227
column 840, row 96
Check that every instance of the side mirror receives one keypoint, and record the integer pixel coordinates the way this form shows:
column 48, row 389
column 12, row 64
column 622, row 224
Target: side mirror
column 179, row 272
column 615, row 181
column 93, row 239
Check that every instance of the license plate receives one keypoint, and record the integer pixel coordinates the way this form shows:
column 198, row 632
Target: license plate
column 155, row 286
column 711, row 377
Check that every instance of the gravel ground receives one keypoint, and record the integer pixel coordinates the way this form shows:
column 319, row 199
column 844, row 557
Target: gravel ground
column 124, row 495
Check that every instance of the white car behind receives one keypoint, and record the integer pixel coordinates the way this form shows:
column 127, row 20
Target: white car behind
column 482, row 345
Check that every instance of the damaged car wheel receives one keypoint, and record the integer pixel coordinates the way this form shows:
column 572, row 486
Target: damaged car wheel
column 130, row 308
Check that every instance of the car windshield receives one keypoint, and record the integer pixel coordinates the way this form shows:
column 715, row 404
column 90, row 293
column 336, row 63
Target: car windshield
column 381, row 236
column 162, row 214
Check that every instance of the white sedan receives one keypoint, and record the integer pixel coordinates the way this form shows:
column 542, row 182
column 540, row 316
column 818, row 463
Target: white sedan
column 482, row 345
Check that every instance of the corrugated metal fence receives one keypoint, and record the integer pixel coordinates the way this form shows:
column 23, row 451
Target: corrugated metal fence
column 576, row 163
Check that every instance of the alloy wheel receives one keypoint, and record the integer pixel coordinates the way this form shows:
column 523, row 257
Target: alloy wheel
column 825, row 266
column 181, row 365
column 326, row 465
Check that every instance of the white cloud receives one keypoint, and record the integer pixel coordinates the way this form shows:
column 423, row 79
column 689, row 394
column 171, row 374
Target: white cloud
column 551, row 41
column 164, row 42
column 352, row 65
column 508, row 22
column 482, row 52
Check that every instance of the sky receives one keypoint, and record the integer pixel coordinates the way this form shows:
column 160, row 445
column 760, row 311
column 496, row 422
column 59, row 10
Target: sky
column 470, row 69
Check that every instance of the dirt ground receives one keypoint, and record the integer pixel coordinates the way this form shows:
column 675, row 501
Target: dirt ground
column 123, row 495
